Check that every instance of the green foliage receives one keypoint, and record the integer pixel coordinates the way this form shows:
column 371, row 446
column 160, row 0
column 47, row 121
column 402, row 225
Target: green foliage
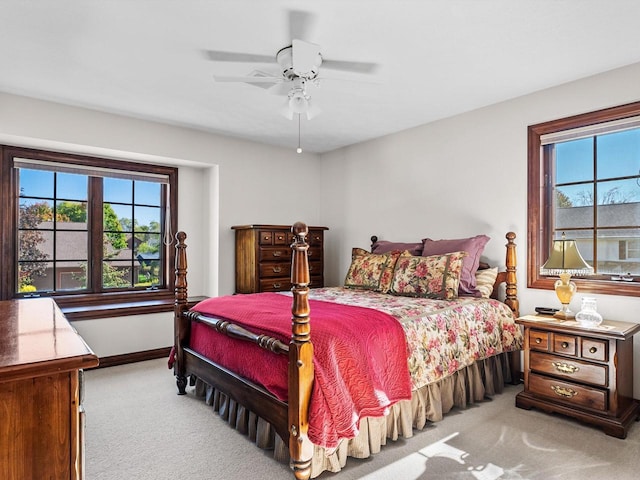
column 30, row 217
column 71, row 212
column 113, row 277
column 111, row 224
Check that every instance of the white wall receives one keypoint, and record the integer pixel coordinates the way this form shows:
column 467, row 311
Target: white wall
column 461, row 176
column 222, row 182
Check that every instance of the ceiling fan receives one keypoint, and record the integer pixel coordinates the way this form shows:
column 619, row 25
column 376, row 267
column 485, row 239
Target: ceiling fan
column 299, row 65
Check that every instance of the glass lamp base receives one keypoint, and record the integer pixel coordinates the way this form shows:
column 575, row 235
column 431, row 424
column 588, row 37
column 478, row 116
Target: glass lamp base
column 564, row 313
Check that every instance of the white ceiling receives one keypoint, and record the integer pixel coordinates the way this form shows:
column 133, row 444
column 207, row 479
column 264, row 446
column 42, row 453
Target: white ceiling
column 436, row 58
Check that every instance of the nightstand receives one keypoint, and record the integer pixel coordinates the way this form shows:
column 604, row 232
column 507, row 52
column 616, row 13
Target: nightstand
column 585, row 373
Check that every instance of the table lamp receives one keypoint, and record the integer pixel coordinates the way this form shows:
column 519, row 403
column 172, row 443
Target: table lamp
column 565, row 260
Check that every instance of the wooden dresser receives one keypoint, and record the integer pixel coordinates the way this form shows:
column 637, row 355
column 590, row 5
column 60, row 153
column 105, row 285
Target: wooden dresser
column 41, row 418
column 585, row 373
column 263, row 257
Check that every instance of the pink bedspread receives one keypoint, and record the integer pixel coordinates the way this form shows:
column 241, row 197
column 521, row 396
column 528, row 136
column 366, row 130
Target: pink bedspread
column 360, row 357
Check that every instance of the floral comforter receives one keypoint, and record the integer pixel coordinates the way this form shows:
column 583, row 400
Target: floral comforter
column 443, row 336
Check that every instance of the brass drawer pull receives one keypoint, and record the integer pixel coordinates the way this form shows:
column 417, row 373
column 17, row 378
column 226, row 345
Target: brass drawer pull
column 593, row 350
column 276, row 269
column 277, row 253
column 565, row 367
column 276, row 285
column 563, row 391
column 538, row 341
column 565, row 344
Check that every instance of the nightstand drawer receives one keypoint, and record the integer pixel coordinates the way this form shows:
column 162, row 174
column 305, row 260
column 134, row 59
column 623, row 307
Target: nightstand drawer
column 539, row 340
column 565, row 344
column 568, row 392
column 594, row 349
column 574, row 370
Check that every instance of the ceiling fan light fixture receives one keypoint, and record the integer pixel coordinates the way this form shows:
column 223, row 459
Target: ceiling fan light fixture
column 298, row 102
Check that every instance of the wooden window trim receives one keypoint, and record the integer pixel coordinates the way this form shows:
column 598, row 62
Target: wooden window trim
column 537, row 249
column 82, row 305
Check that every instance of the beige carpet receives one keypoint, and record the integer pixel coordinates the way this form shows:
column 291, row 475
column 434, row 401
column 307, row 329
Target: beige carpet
column 139, row 429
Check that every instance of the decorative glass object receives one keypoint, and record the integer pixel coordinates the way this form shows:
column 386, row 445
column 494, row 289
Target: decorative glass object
column 565, row 260
column 588, row 316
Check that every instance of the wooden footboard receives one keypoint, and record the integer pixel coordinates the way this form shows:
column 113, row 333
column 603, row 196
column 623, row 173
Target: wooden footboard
column 290, row 420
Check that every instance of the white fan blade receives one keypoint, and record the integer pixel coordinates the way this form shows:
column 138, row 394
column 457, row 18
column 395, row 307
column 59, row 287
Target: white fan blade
column 305, row 56
column 218, row 78
column 358, row 67
column 221, row 56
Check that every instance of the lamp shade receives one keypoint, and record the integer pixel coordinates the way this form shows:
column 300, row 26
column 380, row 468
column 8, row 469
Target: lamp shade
column 565, row 258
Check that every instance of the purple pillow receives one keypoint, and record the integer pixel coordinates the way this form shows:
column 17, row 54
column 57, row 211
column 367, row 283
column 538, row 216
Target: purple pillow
column 383, row 246
column 474, row 247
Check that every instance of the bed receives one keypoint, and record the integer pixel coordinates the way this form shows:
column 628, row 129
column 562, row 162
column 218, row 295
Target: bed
column 252, row 356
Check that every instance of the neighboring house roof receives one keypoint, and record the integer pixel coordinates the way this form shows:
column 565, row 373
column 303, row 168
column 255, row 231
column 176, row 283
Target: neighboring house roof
column 71, row 242
column 626, row 214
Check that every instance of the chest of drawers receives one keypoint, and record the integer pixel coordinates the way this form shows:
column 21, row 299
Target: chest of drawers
column 41, row 414
column 583, row 373
column 263, row 257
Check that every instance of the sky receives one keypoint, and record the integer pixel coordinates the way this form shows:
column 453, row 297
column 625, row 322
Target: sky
column 73, row 187
column 618, row 155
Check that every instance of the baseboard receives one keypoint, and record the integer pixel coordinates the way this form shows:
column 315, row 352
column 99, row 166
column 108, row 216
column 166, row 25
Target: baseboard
column 113, row 360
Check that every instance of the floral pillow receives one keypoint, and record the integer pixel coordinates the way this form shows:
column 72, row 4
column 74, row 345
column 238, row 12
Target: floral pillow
column 371, row 271
column 474, row 246
column 436, row 276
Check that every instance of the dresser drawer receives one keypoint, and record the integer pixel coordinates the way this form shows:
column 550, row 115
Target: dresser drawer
column 314, row 253
column 315, row 268
column 275, row 270
column 574, row 370
column 316, row 238
column 567, row 392
column 275, row 284
column 274, row 254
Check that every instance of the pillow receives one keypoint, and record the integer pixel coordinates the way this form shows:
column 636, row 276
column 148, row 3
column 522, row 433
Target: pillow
column 436, row 276
column 371, row 271
column 474, row 246
column 485, row 279
column 384, row 246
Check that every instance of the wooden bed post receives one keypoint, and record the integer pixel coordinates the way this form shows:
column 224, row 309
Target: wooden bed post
column 511, row 282
column 512, row 300
column 181, row 325
column 300, row 357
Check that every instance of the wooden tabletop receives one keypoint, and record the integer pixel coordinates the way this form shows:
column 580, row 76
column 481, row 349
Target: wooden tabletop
column 36, row 338
column 607, row 329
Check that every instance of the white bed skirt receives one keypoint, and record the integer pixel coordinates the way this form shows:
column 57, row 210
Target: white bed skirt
column 428, row 404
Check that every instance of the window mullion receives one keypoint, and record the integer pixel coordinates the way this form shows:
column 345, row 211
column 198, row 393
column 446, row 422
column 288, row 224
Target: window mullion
column 95, row 234
column 595, row 205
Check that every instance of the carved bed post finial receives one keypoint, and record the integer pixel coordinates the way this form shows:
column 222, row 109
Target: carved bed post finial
column 511, row 282
column 181, row 325
column 300, row 357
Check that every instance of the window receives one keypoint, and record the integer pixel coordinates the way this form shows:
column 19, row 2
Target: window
column 86, row 230
column 584, row 181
